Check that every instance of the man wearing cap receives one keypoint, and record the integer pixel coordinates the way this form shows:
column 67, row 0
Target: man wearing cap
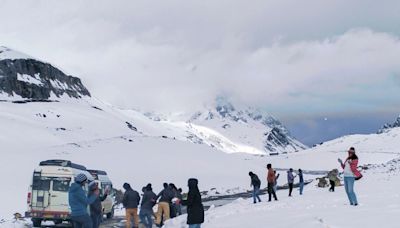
column 79, row 201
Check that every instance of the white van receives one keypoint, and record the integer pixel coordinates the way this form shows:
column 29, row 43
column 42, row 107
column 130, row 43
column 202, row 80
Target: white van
column 48, row 193
column 105, row 184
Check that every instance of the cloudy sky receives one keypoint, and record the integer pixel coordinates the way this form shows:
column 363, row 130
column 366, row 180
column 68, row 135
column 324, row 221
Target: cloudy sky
column 325, row 68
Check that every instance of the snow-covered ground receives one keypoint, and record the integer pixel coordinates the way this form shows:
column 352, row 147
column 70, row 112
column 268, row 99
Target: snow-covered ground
column 98, row 136
column 377, row 192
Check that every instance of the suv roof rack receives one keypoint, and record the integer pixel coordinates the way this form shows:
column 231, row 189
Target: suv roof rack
column 63, row 163
column 98, row 172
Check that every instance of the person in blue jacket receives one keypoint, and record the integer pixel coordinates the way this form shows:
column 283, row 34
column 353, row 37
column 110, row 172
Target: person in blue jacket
column 79, row 201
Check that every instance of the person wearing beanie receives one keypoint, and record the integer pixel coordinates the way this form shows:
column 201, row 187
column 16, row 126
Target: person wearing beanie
column 350, row 173
column 195, row 209
column 96, row 209
column 131, row 201
column 79, row 201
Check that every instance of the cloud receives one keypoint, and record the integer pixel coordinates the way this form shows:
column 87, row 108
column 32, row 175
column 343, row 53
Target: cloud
column 178, row 55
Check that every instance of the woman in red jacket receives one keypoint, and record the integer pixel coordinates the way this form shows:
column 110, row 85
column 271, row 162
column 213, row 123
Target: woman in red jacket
column 350, row 174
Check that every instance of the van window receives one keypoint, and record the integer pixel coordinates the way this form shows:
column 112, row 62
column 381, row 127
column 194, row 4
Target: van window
column 61, row 184
column 41, row 183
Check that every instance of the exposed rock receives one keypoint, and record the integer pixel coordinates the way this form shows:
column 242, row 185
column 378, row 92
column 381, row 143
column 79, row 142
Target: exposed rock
column 34, row 80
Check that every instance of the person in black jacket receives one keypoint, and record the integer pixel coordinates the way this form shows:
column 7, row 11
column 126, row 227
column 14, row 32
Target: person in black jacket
column 131, row 201
column 146, row 209
column 96, row 209
column 163, row 211
column 195, row 209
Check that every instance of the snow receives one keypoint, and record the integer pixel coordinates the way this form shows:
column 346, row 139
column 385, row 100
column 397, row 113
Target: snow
column 7, row 53
column 29, row 79
column 96, row 135
column 377, row 192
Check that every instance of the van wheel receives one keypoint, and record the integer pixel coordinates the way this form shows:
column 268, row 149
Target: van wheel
column 111, row 214
column 36, row 222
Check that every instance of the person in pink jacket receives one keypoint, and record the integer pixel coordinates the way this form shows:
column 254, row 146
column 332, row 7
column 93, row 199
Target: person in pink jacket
column 350, row 173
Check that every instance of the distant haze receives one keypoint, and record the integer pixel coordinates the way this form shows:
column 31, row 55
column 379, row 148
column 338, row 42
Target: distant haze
column 300, row 61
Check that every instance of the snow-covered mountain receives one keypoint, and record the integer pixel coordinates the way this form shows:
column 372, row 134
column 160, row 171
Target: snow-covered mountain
column 47, row 114
column 248, row 126
column 140, row 148
column 389, row 126
column 23, row 77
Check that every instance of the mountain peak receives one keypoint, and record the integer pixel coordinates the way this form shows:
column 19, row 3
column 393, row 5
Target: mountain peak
column 23, row 77
column 389, row 126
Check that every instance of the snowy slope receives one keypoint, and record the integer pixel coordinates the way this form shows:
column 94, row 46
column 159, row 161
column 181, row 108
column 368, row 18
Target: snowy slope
column 230, row 129
column 7, row 53
column 378, row 196
column 141, row 148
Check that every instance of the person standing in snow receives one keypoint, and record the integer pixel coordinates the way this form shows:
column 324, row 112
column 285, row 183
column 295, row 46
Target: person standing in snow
column 276, row 181
column 79, row 201
column 179, row 202
column 172, row 205
column 96, row 209
column 195, row 209
column 163, row 211
column 290, row 178
column 332, row 176
column 301, row 181
column 131, row 201
column 271, row 179
column 256, row 184
column 146, row 209
column 350, row 173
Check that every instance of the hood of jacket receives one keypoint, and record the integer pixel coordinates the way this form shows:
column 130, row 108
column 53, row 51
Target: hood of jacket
column 192, row 183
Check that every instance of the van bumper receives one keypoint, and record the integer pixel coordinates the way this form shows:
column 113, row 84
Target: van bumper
column 48, row 215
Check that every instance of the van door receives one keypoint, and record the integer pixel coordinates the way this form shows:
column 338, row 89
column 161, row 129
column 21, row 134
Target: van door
column 59, row 194
column 40, row 192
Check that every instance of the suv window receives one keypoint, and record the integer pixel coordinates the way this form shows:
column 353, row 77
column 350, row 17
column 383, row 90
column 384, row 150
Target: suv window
column 61, row 184
column 41, row 183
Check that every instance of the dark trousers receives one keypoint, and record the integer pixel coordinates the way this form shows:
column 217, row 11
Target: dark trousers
column 96, row 220
column 271, row 191
column 83, row 221
column 290, row 189
column 332, row 188
column 145, row 217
